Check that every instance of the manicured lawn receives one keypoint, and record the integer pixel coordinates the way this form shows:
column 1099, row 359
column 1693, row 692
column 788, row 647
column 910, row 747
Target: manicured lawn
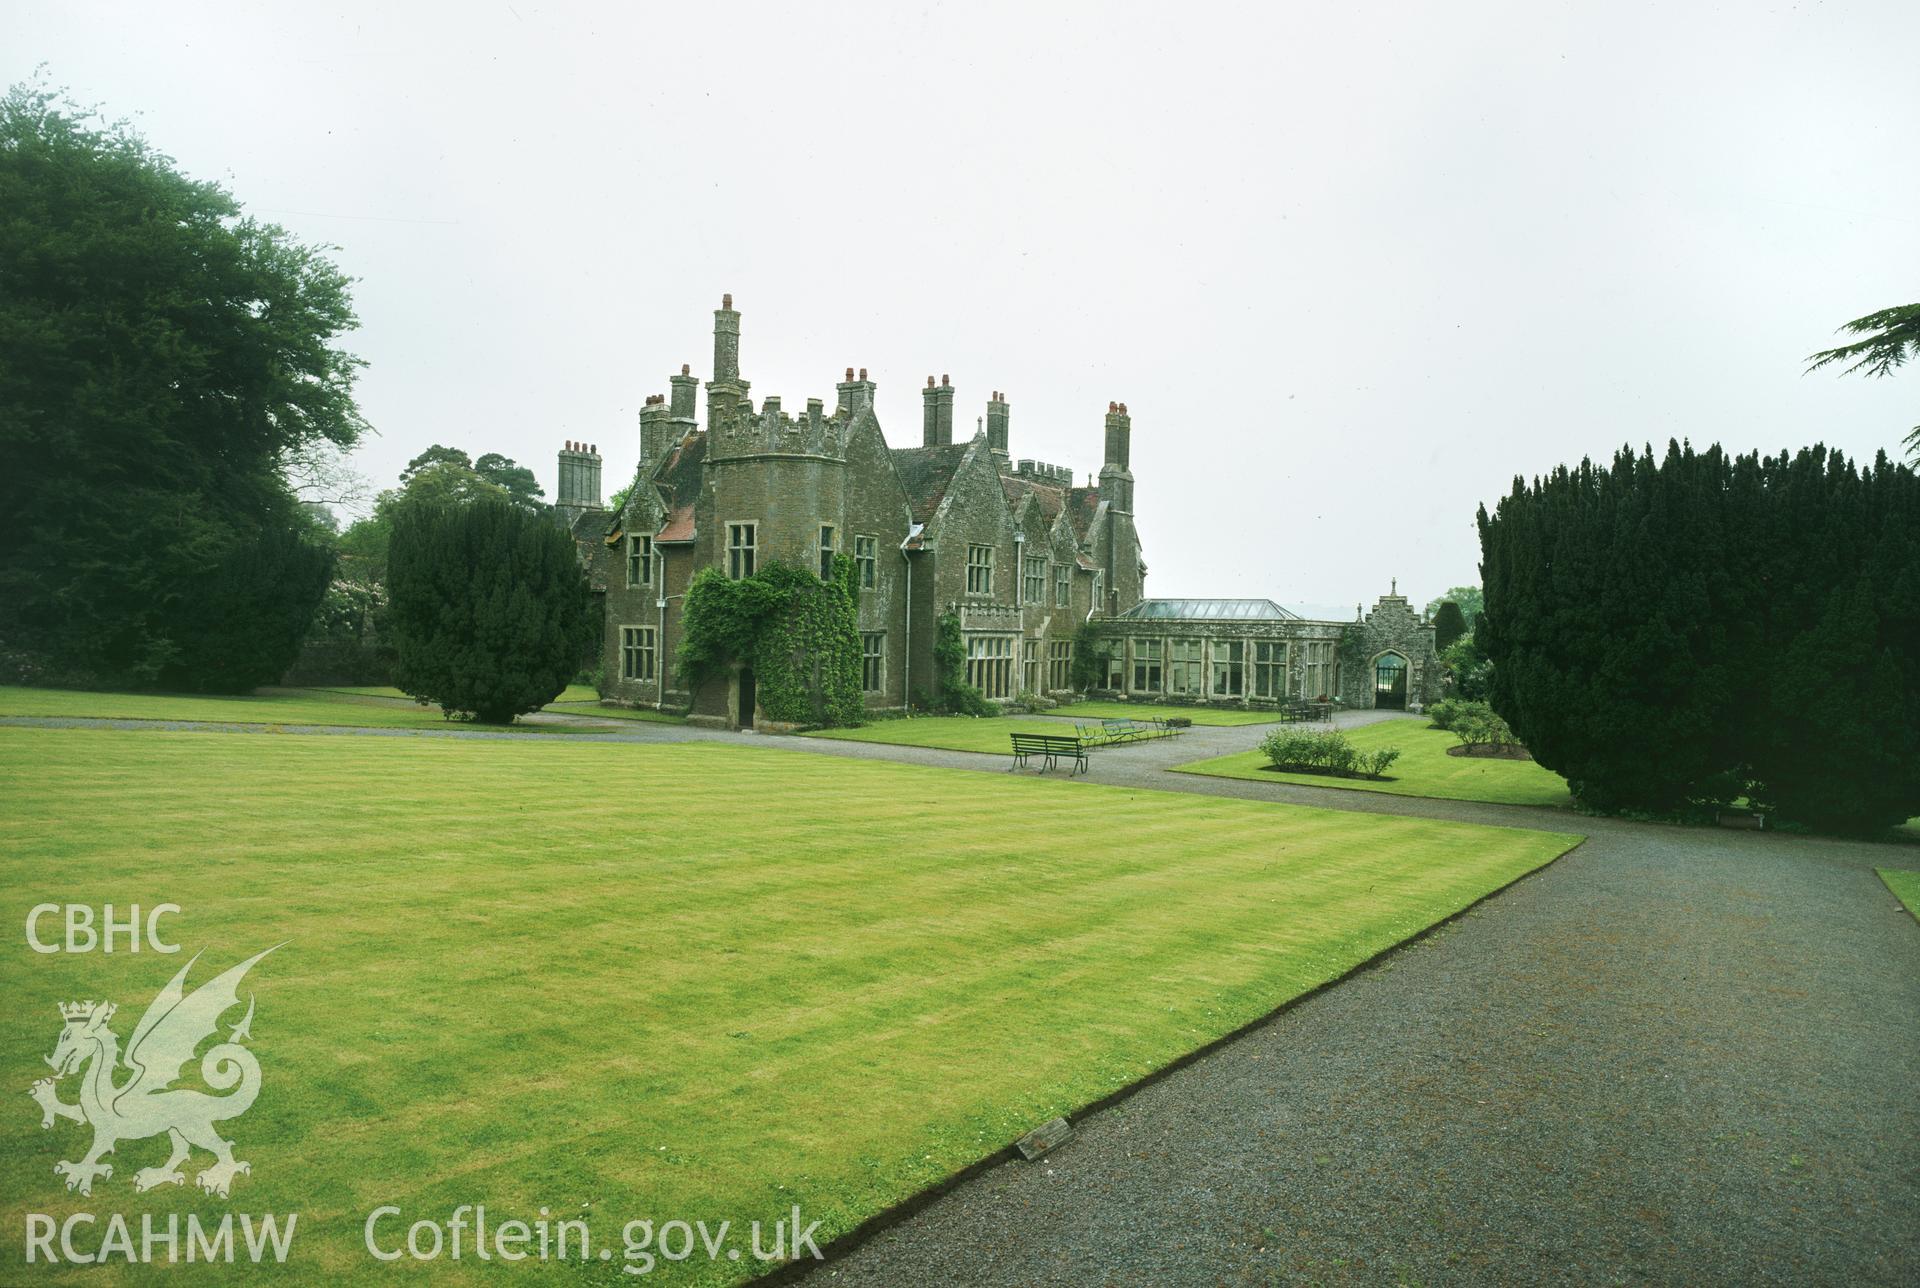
column 1149, row 711
column 953, row 733
column 287, row 706
column 1905, row 886
column 572, row 693
column 691, row 981
column 1424, row 769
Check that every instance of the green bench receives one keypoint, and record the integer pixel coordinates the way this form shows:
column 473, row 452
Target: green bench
column 1050, row 747
column 1124, row 730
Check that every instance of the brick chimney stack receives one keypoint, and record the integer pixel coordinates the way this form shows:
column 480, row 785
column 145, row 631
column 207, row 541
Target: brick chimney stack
column 997, row 424
column 855, row 395
column 930, row 433
column 685, row 386
column 579, row 483
column 1116, row 480
column 945, row 416
column 726, row 342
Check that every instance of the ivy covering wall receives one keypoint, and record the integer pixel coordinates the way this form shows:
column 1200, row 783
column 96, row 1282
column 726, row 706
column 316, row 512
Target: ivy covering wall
column 796, row 631
column 1092, row 658
column 952, row 694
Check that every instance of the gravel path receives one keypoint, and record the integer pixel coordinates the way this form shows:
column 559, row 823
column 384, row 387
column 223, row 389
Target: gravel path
column 1678, row 1055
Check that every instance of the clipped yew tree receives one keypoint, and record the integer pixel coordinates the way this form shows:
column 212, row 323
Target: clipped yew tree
column 1673, row 633
column 490, row 612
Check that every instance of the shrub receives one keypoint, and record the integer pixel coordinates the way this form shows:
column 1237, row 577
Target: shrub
column 1444, row 712
column 1481, row 727
column 1381, row 761
column 1324, row 753
column 489, row 609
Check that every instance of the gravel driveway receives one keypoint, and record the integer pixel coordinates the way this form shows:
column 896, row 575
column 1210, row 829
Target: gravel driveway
column 1677, row 1055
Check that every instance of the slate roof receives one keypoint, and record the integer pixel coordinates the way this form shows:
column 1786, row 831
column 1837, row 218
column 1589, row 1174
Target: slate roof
column 1019, row 489
column 1082, row 503
column 1208, row 610
column 680, row 477
column 926, row 473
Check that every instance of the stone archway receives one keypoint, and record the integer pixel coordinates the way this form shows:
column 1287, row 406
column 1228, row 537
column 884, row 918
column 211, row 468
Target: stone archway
column 1392, row 677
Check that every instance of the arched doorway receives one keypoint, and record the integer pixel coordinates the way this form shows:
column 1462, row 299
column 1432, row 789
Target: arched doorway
column 1390, row 682
column 745, row 700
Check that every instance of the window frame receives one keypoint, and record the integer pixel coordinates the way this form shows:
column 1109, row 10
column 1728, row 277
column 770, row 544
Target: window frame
column 1059, row 665
column 828, row 547
column 1228, row 669
column 638, row 656
column 866, row 564
column 1270, row 672
column 990, row 659
column 1186, row 672
column 639, row 555
column 742, row 555
column 873, row 665
column 1146, row 658
column 979, row 569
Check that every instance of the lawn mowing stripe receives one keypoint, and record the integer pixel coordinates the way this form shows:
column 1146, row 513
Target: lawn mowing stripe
column 511, row 971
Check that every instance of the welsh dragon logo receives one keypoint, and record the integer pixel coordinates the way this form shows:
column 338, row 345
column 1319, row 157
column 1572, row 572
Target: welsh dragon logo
column 145, row 1103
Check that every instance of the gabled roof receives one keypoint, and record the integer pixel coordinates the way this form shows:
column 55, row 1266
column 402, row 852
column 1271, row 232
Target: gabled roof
column 1082, row 503
column 926, row 473
column 679, row 479
column 1046, row 496
column 1208, row 610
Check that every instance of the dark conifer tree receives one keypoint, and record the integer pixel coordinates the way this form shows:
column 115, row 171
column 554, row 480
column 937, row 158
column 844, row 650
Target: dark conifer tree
column 1692, row 630
column 489, row 610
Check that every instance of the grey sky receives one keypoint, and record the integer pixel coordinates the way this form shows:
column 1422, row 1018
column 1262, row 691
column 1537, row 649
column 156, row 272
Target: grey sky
column 1351, row 271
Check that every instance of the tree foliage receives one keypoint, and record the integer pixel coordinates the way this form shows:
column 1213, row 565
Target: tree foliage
column 490, row 613
column 165, row 359
column 1891, row 340
column 1682, row 631
column 1093, row 656
column 1449, row 624
column 1472, row 603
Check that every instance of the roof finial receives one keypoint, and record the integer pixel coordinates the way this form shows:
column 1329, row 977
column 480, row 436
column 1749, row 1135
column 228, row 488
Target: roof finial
column 1395, row 584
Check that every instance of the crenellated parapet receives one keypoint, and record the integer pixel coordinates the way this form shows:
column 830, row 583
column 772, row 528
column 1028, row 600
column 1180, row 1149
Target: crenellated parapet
column 735, row 429
column 1041, row 472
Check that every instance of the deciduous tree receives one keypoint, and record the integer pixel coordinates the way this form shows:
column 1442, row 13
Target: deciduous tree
column 164, row 358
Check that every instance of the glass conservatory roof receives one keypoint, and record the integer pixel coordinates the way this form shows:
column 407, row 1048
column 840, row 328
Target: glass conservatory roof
column 1205, row 610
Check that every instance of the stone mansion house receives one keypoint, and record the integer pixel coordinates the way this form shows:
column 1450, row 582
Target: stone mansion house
column 1012, row 547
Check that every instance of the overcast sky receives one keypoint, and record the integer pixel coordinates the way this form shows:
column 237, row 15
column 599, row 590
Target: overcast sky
column 1352, row 268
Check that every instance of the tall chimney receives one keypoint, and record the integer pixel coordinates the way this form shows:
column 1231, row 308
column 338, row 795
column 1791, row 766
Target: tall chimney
column 997, row 424
column 685, row 385
column 856, row 395
column 658, row 433
column 579, row 483
column 726, row 342
column 930, row 417
column 944, row 422
column 1116, row 480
